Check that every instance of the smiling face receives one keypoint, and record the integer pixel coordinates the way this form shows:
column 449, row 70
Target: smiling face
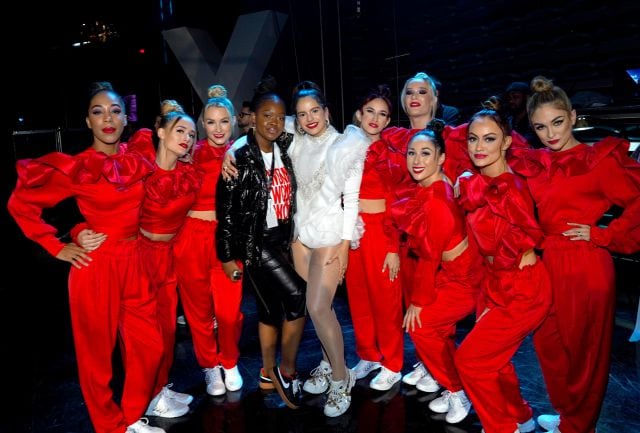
column 218, row 125
column 179, row 136
column 374, row 117
column 487, row 146
column 269, row 121
column 554, row 127
column 311, row 116
column 106, row 119
column 424, row 160
column 419, row 98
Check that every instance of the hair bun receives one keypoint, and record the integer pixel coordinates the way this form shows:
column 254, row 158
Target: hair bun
column 217, row 91
column 384, row 90
column 492, row 103
column 170, row 105
column 541, row 84
column 266, row 85
column 436, row 125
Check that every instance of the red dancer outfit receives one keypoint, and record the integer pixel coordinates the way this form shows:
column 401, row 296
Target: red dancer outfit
column 375, row 302
column 514, row 301
column 205, row 290
column 574, row 343
column 168, row 197
column 402, row 186
column 112, row 296
column 447, row 291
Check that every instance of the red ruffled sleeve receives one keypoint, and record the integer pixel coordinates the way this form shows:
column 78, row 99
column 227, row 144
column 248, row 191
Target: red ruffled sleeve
column 457, row 159
column 42, row 183
column 431, row 225
column 141, row 142
column 622, row 188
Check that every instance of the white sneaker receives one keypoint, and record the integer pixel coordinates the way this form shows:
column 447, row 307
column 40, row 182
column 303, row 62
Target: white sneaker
column 459, row 407
column 142, row 426
column 213, row 378
column 163, row 406
column 385, row 380
column 232, row 379
column 418, row 372
column 339, row 396
column 549, row 422
column 427, row 384
column 318, row 381
column 364, row 367
column 441, row 404
column 177, row 396
column 528, row 426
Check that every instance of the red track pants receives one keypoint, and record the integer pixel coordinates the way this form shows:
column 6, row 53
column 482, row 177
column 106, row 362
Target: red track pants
column 205, row 292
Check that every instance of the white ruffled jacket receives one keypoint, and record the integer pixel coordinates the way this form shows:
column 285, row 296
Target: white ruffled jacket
column 328, row 172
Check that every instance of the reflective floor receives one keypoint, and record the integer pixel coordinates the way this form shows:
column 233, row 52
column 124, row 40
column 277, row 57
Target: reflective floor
column 42, row 378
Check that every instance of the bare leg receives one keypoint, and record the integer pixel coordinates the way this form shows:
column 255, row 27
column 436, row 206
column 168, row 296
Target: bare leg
column 291, row 336
column 322, row 284
column 268, row 335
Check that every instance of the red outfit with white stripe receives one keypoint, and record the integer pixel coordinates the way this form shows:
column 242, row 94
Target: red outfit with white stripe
column 514, row 301
column 111, row 296
column 447, row 291
column 205, row 290
column 574, row 343
column 375, row 302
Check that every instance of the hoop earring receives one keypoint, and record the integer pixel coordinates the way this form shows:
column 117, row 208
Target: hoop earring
column 328, row 123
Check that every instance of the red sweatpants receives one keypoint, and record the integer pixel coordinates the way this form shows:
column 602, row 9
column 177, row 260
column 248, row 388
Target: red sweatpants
column 111, row 297
column 375, row 302
column 157, row 259
column 205, row 292
column 574, row 342
column 484, row 357
column 457, row 288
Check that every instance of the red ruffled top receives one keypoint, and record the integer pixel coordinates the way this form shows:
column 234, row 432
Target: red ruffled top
column 168, row 197
column 107, row 188
column 208, row 161
column 579, row 185
column 500, row 214
column 434, row 224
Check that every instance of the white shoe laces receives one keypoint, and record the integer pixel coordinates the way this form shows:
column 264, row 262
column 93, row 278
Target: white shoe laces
column 446, row 396
column 419, row 368
column 318, row 373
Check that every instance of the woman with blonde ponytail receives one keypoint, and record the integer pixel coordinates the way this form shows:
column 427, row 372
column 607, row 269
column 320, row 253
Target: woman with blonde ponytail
column 206, row 289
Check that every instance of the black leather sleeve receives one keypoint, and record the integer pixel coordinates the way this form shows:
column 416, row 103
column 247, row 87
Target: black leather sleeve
column 226, row 199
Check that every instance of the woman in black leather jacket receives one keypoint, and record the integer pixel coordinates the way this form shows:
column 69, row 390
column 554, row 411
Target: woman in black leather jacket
column 255, row 214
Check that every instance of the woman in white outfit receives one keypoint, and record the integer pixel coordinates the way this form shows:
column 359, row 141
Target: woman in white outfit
column 328, row 167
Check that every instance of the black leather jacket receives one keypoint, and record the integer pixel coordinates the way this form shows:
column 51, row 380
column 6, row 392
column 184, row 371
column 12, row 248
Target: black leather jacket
column 241, row 203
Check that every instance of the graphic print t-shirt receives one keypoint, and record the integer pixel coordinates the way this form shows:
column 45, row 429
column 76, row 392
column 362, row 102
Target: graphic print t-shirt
column 280, row 194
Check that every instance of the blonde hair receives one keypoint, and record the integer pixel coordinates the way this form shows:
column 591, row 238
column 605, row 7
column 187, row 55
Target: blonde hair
column 543, row 91
column 422, row 76
column 217, row 94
